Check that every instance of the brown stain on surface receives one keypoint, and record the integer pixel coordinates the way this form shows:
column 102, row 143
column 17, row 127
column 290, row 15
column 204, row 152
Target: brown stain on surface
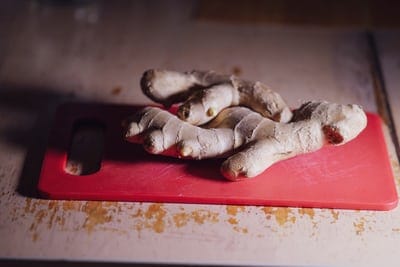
column 237, row 71
column 96, row 214
column 71, row 205
column 233, row 220
column 282, row 215
column 200, row 216
column 32, row 205
column 44, row 214
column 28, row 202
column 396, row 170
column 268, row 211
column 152, row 218
column 359, row 226
column 156, row 214
column 116, row 90
column 35, row 237
column 335, row 215
column 307, row 211
column 53, row 213
column 234, row 210
column 242, row 230
column 181, row 219
column 38, row 219
column 156, row 218
column 53, row 210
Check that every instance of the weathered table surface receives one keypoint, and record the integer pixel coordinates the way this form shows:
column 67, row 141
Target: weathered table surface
column 97, row 52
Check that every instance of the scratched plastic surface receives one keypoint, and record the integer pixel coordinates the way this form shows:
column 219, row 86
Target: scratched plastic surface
column 357, row 175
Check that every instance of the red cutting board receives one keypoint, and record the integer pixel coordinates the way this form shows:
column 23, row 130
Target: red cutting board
column 357, row 175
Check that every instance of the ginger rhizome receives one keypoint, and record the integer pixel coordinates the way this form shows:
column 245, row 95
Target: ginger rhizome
column 250, row 141
column 204, row 94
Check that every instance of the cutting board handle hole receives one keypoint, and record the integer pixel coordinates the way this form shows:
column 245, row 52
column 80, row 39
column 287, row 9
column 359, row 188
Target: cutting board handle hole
column 86, row 147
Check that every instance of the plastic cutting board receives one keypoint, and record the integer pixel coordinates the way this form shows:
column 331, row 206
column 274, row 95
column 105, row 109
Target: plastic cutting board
column 357, row 175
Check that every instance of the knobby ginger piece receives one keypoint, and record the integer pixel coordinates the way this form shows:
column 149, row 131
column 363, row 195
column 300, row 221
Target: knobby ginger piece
column 206, row 93
column 250, row 141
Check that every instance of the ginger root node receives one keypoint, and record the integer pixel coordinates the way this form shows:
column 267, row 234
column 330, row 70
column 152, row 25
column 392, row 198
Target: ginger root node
column 332, row 134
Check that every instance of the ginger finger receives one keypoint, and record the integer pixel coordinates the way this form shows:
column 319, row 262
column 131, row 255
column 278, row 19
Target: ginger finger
column 256, row 142
column 163, row 132
column 205, row 105
column 314, row 126
column 169, row 87
column 336, row 118
column 297, row 138
column 206, row 93
column 252, row 160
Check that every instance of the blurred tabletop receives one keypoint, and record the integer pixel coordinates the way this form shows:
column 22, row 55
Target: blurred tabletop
column 52, row 52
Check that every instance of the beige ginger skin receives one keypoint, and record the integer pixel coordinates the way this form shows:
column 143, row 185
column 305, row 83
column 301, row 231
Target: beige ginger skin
column 251, row 141
column 206, row 93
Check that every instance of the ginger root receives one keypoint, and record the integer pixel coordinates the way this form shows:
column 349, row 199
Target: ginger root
column 205, row 94
column 251, row 142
